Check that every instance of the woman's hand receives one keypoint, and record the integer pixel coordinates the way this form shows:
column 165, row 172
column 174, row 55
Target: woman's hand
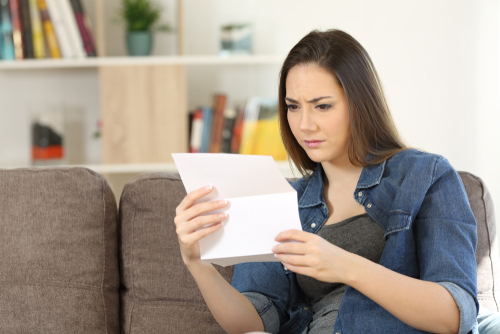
column 190, row 224
column 312, row 256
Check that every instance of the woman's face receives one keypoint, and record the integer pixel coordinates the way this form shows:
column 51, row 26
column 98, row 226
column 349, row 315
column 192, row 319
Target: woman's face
column 318, row 114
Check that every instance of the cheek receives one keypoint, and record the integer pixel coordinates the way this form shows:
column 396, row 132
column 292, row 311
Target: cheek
column 292, row 123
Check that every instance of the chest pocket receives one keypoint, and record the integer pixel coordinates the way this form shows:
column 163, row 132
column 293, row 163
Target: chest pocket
column 399, row 241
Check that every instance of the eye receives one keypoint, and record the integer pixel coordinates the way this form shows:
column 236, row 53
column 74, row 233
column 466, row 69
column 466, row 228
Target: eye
column 291, row 107
column 324, row 106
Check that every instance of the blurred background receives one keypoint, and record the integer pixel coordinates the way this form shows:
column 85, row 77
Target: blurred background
column 438, row 60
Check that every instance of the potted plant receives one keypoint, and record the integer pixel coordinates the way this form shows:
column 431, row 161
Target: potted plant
column 141, row 18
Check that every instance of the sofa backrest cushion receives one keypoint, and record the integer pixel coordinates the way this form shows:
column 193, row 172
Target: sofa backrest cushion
column 487, row 257
column 158, row 293
column 58, row 252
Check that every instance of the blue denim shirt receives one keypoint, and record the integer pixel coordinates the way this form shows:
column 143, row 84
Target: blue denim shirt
column 430, row 234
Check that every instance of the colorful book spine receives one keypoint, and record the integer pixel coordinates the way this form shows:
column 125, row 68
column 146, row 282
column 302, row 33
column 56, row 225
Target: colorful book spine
column 87, row 39
column 237, row 129
column 17, row 35
column 48, row 28
column 6, row 31
column 218, row 123
column 248, row 134
column 37, row 30
column 207, row 129
column 71, row 26
column 196, row 132
column 60, row 29
column 28, row 50
column 227, row 132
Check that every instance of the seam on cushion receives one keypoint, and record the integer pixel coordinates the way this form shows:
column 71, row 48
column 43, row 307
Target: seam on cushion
column 147, row 305
column 54, row 284
column 132, row 271
column 103, row 183
column 489, row 242
column 156, row 178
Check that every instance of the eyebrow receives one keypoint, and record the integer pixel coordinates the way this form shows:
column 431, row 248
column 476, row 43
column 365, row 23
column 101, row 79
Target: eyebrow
column 311, row 101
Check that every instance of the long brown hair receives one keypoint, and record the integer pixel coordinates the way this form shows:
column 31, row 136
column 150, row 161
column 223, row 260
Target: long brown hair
column 373, row 133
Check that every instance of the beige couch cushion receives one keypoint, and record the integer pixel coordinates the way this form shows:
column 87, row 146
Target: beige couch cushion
column 58, row 252
column 159, row 295
column 487, row 258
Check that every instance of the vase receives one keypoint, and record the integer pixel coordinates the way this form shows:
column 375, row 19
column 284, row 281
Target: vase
column 139, row 43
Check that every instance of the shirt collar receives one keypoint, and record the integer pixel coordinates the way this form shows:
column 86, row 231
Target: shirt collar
column 314, row 193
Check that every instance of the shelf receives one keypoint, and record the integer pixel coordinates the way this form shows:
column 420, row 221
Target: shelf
column 283, row 166
column 139, row 61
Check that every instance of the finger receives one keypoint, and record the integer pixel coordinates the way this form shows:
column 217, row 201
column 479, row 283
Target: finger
column 192, row 197
column 295, row 235
column 306, row 271
column 296, row 260
column 298, row 248
column 201, row 233
column 199, row 222
column 201, row 208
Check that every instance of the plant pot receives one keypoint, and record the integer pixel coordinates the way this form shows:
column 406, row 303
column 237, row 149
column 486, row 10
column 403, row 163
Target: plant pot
column 139, row 43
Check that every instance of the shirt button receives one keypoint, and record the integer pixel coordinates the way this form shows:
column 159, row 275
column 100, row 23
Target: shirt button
column 369, row 206
column 305, row 308
column 313, row 225
column 360, row 194
column 284, row 268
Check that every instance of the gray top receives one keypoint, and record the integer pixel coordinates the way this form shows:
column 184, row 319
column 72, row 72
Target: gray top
column 360, row 235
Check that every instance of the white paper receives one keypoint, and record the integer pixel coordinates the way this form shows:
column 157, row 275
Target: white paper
column 261, row 204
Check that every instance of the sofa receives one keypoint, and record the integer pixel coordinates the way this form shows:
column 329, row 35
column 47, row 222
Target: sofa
column 72, row 261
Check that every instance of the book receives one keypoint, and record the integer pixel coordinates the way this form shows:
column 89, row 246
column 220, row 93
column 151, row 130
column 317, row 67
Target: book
column 37, row 30
column 88, row 42
column 69, row 21
column 196, row 132
column 237, row 129
column 218, row 123
column 7, row 52
column 227, row 131
column 48, row 28
column 268, row 139
column 24, row 10
column 17, row 36
column 261, row 133
column 248, row 133
column 59, row 28
column 207, row 129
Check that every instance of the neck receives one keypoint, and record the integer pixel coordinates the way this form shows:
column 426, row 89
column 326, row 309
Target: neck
column 340, row 172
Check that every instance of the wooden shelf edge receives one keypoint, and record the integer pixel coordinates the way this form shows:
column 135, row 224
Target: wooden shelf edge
column 140, row 61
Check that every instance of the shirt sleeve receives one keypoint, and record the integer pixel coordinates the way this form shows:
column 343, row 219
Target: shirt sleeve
column 466, row 306
column 446, row 238
column 266, row 310
column 268, row 280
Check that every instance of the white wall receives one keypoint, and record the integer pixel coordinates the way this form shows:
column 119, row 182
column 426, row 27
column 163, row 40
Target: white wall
column 438, row 61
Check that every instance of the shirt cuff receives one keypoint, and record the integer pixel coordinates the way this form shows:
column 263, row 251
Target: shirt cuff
column 466, row 306
column 266, row 309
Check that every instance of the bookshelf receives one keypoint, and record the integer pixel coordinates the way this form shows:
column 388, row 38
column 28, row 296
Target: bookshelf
column 155, row 85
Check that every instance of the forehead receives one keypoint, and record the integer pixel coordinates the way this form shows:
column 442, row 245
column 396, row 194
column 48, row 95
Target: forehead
column 311, row 79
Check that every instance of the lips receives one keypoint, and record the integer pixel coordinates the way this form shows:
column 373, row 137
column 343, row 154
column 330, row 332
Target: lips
column 313, row 143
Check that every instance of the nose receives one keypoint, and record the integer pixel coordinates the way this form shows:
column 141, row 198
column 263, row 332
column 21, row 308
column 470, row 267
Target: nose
column 307, row 123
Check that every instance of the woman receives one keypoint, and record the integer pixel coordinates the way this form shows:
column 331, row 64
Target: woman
column 388, row 236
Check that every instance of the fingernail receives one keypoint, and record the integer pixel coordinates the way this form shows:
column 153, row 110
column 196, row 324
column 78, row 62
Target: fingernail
column 275, row 255
column 222, row 215
column 222, row 202
column 273, row 249
column 207, row 188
